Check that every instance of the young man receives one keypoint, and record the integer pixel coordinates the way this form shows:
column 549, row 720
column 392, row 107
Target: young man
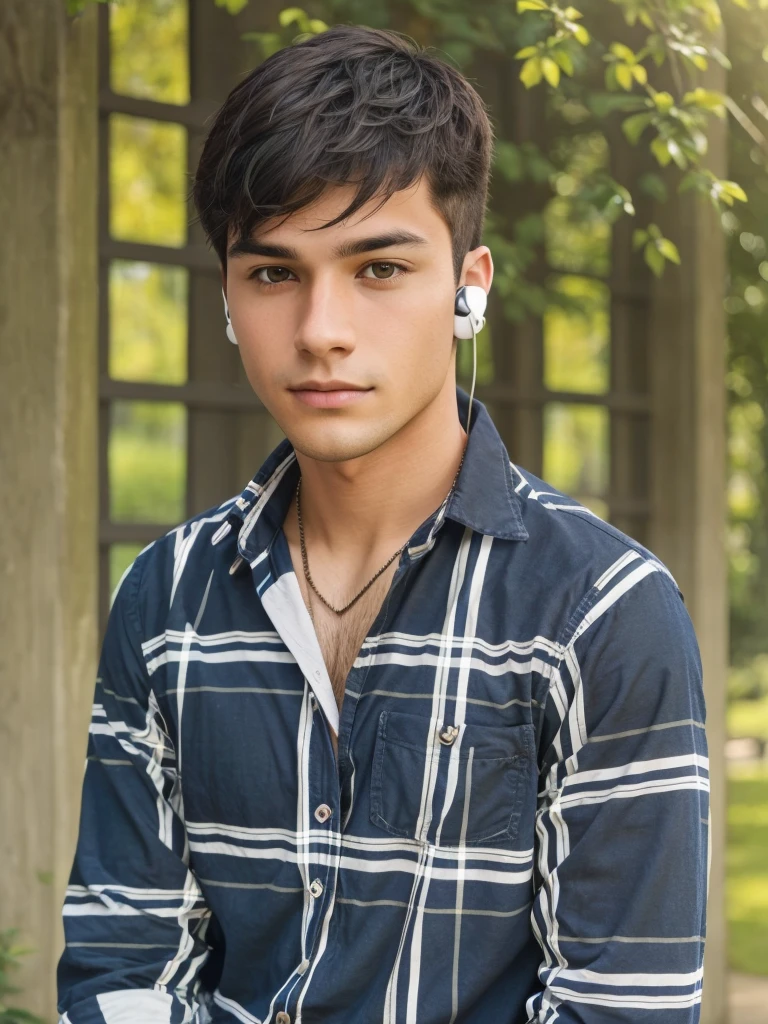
column 399, row 734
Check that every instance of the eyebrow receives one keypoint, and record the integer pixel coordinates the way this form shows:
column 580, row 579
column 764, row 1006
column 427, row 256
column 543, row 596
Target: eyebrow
column 354, row 247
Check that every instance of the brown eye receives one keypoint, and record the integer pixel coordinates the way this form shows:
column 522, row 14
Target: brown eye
column 275, row 270
column 388, row 268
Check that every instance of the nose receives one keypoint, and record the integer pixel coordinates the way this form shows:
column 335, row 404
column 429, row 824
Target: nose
column 325, row 324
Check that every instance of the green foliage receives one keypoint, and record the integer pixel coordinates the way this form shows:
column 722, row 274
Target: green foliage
column 233, row 6
column 746, row 307
column 138, row 33
column 556, row 42
column 656, row 248
column 678, row 35
column 75, row 7
column 10, row 953
column 290, row 20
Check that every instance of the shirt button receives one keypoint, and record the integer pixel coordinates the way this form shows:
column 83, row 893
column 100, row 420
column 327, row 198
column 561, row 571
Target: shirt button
column 316, row 888
column 323, row 812
column 283, row 1018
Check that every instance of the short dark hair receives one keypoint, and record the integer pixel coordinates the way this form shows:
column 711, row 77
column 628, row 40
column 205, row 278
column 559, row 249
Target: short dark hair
column 351, row 105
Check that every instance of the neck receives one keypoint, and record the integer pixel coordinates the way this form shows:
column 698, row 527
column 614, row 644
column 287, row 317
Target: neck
column 368, row 507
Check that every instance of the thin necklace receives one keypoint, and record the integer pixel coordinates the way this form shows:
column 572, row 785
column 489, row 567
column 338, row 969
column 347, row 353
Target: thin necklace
column 305, row 560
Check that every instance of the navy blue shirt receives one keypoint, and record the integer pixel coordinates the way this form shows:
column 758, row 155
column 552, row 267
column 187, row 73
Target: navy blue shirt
column 515, row 828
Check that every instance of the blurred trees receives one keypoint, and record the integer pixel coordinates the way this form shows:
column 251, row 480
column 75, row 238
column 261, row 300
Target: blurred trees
column 747, row 380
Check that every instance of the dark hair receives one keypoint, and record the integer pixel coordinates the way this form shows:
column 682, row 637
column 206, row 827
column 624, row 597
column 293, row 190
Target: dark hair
column 352, row 105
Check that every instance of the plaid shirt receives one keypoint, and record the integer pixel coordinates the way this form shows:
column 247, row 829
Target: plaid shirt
column 516, row 826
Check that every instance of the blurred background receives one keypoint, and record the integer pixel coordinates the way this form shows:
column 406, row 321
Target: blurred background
column 625, row 358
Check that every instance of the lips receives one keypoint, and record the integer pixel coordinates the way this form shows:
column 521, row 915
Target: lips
column 329, row 394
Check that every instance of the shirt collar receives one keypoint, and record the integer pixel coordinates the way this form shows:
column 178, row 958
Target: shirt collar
column 484, row 498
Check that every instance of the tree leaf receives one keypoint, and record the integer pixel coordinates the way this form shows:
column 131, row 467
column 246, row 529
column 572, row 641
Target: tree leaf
column 707, row 99
column 581, row 34
column 623, row 52
column 551, row 71
column 691, row 180
column 531, row 5
column 732, row 188
column 654, row 259
column 633, row 127
column 660, row 151
column 721, row 58
column 677, row 154
column 639, row 73
column 653, row 185
column 664, row 101
column 527, row 51
column 563, row 58
column 668, row 250
column 624, row 76
column 531, row 72
column 287, row 16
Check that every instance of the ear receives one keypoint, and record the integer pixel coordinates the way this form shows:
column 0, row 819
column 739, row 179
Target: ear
column 478, row 268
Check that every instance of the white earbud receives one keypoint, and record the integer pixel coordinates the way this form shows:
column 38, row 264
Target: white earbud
column 468, row 319
column 230, row 328
column 469, row 308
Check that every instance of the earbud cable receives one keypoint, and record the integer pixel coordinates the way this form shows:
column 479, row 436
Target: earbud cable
column 474, row 376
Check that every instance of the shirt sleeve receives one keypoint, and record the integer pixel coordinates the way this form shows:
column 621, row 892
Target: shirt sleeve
column 134, row 916
column 622, row 834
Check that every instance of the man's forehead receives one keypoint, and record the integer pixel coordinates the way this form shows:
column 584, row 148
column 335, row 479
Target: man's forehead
column 407, row 213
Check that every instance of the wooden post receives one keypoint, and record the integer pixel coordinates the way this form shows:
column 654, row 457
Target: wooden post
column 688, row 461
column 48, row 462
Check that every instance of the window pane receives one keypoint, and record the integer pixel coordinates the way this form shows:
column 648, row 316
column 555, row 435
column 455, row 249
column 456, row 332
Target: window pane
column 147, row 322
column 120, row 557
column 148, row 462
column 149, row 49
column 576, row 449
column 577, row 336
column 147, row 173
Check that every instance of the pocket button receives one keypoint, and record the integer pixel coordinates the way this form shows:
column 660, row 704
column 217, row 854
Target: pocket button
column 448, row 734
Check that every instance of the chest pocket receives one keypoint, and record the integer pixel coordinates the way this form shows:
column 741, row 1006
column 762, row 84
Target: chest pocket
column 469, row 790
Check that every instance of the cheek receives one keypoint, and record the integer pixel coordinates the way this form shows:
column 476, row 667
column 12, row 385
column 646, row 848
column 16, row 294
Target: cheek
column 431, row 334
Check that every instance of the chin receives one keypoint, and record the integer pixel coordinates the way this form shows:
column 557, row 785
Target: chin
column 338, row 442
column 334, row 449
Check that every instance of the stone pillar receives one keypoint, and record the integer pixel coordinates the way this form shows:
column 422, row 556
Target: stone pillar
column 48, row 464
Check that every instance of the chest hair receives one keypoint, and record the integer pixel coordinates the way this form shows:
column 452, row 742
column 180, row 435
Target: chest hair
column 341, row 636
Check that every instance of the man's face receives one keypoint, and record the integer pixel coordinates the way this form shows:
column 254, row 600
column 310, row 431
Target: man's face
column 376, row 324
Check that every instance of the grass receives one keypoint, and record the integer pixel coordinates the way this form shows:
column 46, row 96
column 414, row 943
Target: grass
column 748, row 718
column 747, row 869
